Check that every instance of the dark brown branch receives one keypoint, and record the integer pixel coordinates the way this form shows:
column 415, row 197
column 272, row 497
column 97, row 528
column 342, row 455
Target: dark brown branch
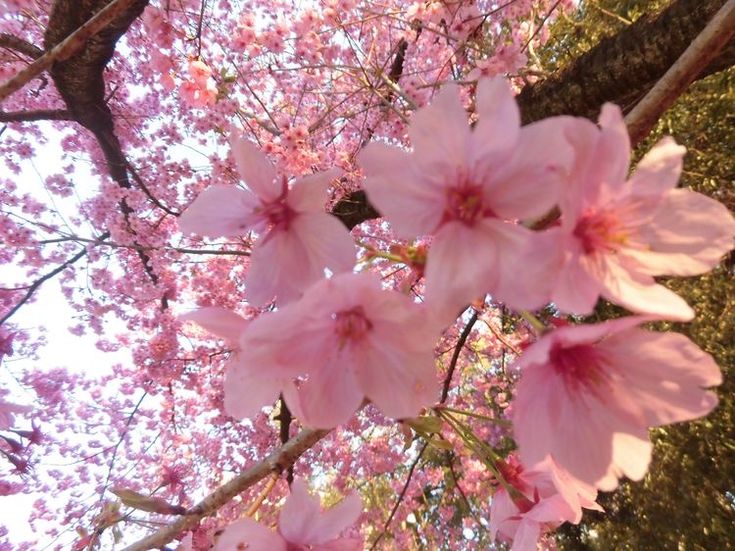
column 284, row 419
column 36, row 115
column 455, row 356
column 19, row 45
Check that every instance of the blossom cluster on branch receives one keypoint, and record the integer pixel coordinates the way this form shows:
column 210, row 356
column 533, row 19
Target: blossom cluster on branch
column 587, row 393
column 446, row 345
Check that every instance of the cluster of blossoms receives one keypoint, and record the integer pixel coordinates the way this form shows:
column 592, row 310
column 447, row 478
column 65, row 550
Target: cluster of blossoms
column 587, row 393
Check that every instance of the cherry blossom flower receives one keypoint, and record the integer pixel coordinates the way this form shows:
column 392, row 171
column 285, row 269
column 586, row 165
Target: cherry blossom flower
column 616, row 234
column 467, row 187
column 588, row 394
column 230, row 327
column 301, row 526
column 346, row 339
column 541, row 499
column 298, row 238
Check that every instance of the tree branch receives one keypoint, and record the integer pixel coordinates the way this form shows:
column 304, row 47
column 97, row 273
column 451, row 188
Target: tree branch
column 278, row 461
column 67, row 47
column 455, row 356
column 19, row 45
column 36, row 115
column 680, row 75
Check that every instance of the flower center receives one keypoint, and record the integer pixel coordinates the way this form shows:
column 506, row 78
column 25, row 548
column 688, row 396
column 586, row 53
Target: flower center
column 600, row 231
column 580, row 365
column 278, row 213
column 351, row 325
column 465, row 204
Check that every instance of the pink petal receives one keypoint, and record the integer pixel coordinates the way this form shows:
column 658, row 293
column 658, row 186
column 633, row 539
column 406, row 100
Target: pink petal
column 299, row 514
column 582, row 187
column 688, row 235
column 499, row 119
column 667, row 372
column 250, row 534
column 343, row 544
column 526, row 185
column 613, row 148
column 330, row 395
column 309, row 193
column 327, row 243
column 631, row 457
column 456, row 272
column 527, row 536
column 220, row 211
column 399, row 383
column 220, row 321
column 285, row 262
column 532, row 270
column 640, row 293
column 440, row 133
column 336, row 519
column 256, row 170
column 660, row 168
column 576, row 290
column 248, row 391
column 413, row 206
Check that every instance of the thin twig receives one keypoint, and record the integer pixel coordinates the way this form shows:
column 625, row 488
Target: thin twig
column 40, row 281
column 703, row 49
column 455, row 356
column 400, row 496
column 276, row 462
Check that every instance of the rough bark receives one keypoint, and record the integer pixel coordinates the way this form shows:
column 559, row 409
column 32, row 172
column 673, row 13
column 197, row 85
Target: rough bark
column 80, row 79
column 620, row 69
column 623, row 67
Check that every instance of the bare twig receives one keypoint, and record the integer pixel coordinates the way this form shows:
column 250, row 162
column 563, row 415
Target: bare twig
column 31, row 290
column 400, row 496
column 276, row 462
column 455, row 356
column 65, row 49
column 703, row 49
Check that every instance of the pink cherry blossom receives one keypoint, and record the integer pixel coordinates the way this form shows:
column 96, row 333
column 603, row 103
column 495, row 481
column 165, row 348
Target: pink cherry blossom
column 261, row 388
column 541, row 499
column 468, row 187
column 345, row 340
column 298, row 238
column 616, row 234
column 301, row 526
column 588, row 394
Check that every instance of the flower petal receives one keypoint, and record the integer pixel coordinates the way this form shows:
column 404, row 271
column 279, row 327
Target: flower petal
column 247, row 392
column 413, row 206
column 220, row 211
column 440, row 133
column 659, row 170
column 256, row 170
column 688, row 235
column 330, row 395
column 498, row 118
column 220, row 321
column 250, row 535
